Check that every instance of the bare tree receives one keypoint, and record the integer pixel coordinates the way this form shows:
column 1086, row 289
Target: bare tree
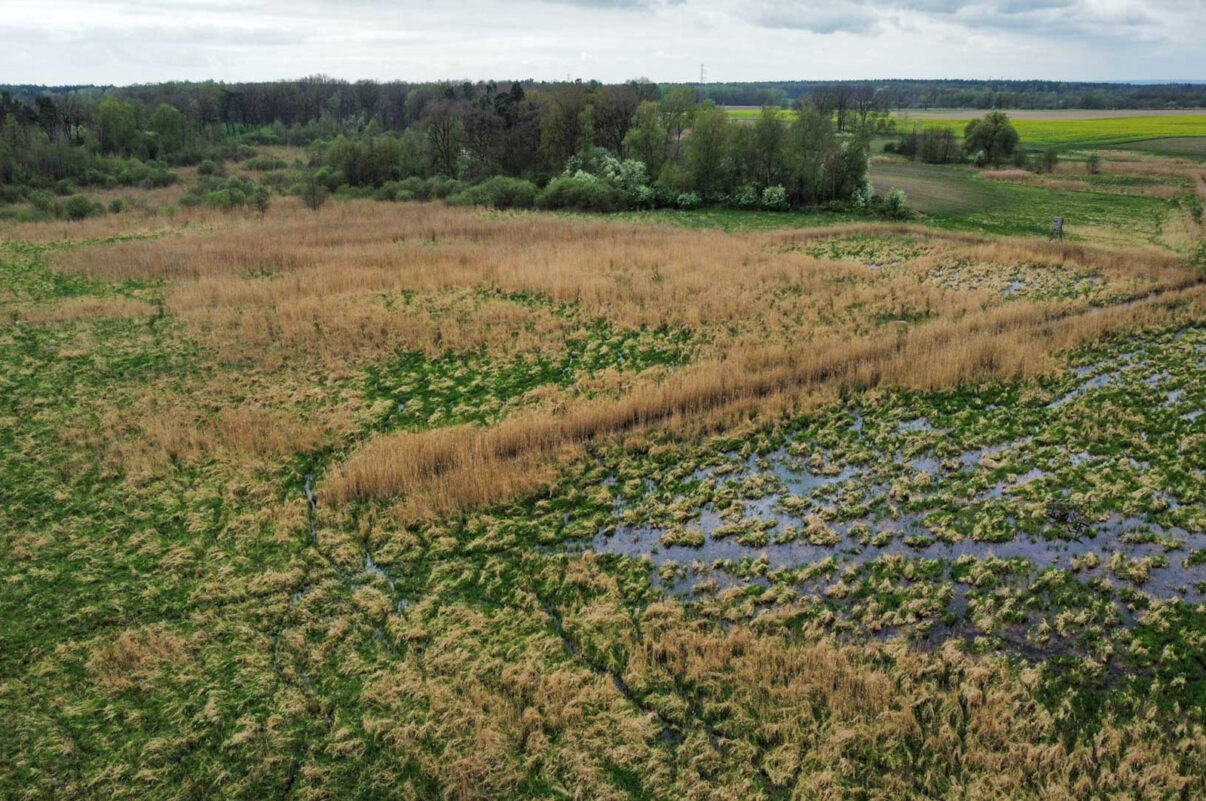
column 865, row 100
column 842, row 96
column 445, row 125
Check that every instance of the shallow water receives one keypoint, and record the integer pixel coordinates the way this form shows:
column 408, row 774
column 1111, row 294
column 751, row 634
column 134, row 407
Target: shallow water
column 1088, row 386
column 880, row 507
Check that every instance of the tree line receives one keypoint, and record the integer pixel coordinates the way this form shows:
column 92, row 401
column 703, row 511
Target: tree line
column 986, row 95
column 579, row 145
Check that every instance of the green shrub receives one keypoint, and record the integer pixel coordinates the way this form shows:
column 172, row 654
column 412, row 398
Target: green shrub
column 895, row 203
column 265, row 163
column 416, row 186
column 747, row 198
column 688, row 200
column 209, row 167
column 227, row 194
column 260, row 199
column 278, row 180
column 500, row 192
column 350, row 192
column 44, row 201
column 643, row 197
column 441, row 187
column 314, row 193
column 412, row 188
column 664, row 195
column 580, row 193
column 774, row 198
column 392, row 191
column 330, row 178
column 77, row 207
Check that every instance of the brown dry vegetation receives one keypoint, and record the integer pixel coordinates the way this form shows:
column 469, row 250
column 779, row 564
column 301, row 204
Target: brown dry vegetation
column 83, row 308
column 1064, row 184
column 897, row 722
column 1069, row 175
column 783, row 330
column 144, row 218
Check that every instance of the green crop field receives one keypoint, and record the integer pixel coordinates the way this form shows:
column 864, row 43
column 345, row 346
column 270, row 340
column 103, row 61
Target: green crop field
column 1193, row 147
column 959, row 197
column 1095, row 132
column 754, row 113
column 1062, row 133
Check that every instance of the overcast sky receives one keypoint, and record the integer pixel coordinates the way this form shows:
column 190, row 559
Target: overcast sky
column 136, row 41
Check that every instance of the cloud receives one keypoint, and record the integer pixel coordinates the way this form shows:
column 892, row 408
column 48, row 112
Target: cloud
column 125, row 41
column 936, row 6
column 825, row 18
column 1027, row 6
column 642, row 5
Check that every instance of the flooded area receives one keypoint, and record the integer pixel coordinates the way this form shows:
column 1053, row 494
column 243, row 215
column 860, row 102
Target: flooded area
column 826, row 510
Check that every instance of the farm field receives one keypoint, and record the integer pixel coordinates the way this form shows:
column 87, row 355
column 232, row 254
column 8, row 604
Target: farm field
column 1172, row 133
column 1082, row 132
column 963, row 198
column 1187, row 147
column 1115, row 208
column 407, row 500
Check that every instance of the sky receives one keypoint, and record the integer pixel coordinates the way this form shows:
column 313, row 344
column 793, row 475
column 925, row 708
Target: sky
column 143, row 41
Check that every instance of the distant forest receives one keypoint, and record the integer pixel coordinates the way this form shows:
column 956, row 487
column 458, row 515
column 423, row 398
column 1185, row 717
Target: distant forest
column 914, row 94
column 290, row 102
column 581, row 145
column 574, row 145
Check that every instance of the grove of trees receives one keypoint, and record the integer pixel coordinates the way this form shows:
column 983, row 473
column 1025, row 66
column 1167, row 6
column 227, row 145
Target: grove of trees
column 991, row 138
column 583, row 145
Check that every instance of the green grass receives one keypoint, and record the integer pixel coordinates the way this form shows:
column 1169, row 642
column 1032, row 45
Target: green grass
column 1071, row 133
column 957, row 197
column 457, row 388
column 741, row 220
column 1193, row 147
column 1090, row 132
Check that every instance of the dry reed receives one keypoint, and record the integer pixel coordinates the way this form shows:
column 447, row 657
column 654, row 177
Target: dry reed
column 780, row 330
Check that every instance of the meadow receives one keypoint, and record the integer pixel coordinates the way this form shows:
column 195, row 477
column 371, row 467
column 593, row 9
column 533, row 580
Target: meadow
column 411, row 500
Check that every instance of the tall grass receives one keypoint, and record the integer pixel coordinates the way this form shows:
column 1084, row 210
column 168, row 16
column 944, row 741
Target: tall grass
column 780, row 329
